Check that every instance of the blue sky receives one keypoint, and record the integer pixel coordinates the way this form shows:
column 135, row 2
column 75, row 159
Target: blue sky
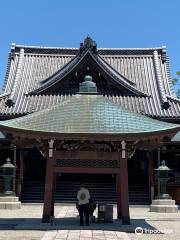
column 111, row 23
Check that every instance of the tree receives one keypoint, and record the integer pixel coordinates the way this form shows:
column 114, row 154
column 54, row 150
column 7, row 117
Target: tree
column 176, row 83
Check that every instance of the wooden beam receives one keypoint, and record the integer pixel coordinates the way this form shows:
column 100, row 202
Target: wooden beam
column 85, row 155
column 85, row 170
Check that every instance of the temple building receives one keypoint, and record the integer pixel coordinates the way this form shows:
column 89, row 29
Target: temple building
column 102, row 116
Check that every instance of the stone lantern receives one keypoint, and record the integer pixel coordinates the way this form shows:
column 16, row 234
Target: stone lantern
column 8, row 171
column 8, row 200
column 163, row 172
column 163, row 202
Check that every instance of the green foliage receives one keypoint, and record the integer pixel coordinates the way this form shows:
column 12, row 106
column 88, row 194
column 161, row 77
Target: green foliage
column 178, row 93
column 176, row 83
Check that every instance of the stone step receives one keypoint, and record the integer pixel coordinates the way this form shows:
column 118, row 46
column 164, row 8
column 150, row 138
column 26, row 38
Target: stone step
column 9, row 202
column 163, row 202
column 66, row 191
column 164, row 208
column 8, row 199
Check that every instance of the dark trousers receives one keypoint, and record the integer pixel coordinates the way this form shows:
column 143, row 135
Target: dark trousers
column 84, row 211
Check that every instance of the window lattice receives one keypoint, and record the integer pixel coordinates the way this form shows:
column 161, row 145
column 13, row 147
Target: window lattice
column 87, row 163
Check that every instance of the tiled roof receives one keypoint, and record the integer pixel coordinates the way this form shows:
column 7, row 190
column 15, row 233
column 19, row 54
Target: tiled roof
column 147, row 68
column 88, row 114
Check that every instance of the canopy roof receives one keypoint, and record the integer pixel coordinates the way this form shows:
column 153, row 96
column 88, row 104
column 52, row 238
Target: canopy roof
column 176, row 138
column 87, row 114
column 2, row 137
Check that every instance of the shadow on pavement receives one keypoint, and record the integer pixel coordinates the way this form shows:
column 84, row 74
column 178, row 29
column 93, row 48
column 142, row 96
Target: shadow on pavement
column 70, row 223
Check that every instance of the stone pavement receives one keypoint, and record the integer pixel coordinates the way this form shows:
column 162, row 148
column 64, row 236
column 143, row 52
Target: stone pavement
column 85, row 235
column 25, row 224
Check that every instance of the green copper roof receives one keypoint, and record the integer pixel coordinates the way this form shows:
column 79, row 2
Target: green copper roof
column 2, row 137
column 87, row 114
column 176, row 138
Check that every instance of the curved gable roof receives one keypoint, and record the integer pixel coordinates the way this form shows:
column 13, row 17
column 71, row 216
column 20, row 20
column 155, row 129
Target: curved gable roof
column 99, row 63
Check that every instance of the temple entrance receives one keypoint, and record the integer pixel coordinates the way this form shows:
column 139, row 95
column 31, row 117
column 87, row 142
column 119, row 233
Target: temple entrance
column 35, row 167
column 68, row 183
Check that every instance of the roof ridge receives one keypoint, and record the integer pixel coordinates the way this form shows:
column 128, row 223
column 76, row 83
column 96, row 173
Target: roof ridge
column 13, row 46
column 150, row 48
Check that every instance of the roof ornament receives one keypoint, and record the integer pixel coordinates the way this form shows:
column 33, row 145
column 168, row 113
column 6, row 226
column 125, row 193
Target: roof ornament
column 9, row 102
column 12, row 53
column 163, row 54
column 88, row 44
column 88, row 86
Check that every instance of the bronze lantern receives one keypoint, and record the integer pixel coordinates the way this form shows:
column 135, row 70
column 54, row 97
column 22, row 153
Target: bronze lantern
column 8, row 171
column 163, row 176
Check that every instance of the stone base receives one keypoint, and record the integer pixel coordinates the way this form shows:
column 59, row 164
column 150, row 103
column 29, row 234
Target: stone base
column 9, row 202
column 163, row 205
column 164, row 196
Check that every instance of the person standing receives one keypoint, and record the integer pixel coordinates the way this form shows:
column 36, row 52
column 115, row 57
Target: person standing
column 83, row 197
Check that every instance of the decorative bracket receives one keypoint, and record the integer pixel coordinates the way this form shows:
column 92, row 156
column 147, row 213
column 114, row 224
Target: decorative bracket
column 123, row 144
column 51, row 143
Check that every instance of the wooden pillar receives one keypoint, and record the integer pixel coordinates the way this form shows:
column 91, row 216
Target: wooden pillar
column 151, row 175
column 159, row 161
column 14, row 162
column 48, row 210
column 118, row 193
column 21, row 172
column 123, row 178
column 53, row 194
column 21, row 165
